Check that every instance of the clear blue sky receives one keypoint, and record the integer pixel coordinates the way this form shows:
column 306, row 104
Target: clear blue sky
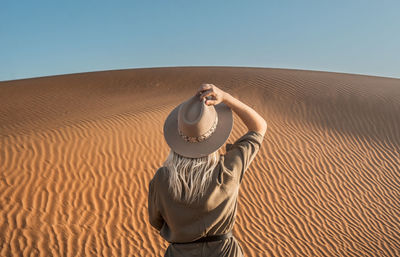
column 41, row 38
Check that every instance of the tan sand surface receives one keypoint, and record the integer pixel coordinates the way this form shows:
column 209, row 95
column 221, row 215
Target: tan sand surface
column 77, row 152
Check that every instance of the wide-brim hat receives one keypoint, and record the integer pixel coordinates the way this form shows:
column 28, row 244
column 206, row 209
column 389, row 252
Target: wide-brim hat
column 194, row 129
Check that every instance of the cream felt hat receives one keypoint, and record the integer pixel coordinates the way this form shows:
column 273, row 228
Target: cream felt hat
column 194, row 129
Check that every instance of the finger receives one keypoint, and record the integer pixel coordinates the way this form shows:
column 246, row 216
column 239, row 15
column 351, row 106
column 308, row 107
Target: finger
column 207, row 93
column 205, row 87
column 210, row 97
column 203, row 94
column 211, row 102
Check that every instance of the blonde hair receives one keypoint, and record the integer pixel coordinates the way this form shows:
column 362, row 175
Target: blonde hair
column 189, row 178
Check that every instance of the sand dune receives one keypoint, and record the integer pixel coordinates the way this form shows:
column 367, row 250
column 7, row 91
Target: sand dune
column 77, row 152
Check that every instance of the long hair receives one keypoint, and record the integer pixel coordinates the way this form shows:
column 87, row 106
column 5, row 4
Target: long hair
column 189, row 178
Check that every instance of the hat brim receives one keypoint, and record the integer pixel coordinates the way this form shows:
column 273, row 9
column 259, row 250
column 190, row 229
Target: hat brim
column 203, row 148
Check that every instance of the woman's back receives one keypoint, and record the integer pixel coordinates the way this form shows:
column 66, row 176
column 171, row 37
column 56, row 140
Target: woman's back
column 180, row 222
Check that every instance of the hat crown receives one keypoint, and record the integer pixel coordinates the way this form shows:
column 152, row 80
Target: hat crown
column 195, row 118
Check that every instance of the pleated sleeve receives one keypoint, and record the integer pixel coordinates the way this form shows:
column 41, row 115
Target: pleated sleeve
column 241, row 153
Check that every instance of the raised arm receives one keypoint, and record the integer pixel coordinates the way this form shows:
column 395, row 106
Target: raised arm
column 248, row 115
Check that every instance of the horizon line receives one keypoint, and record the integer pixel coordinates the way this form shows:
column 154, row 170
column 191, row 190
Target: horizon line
column 195, row 66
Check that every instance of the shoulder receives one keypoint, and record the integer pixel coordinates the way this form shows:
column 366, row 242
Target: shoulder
column 160, row 175
column 161, row 171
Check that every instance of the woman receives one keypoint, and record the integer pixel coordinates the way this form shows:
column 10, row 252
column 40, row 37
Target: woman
column 193, row 196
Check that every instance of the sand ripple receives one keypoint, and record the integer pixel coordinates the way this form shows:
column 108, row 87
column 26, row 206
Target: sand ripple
column 77, row 153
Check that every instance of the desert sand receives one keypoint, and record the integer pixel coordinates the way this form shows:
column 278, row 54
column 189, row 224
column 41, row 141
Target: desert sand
column 77, row 152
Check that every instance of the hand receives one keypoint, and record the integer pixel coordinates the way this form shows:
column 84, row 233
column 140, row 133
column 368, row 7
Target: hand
column 210, row 90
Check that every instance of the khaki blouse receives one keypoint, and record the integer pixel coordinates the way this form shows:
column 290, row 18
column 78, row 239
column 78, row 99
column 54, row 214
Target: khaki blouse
column 214, row 214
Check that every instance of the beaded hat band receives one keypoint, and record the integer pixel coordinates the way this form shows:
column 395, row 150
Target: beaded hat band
column 202, row 137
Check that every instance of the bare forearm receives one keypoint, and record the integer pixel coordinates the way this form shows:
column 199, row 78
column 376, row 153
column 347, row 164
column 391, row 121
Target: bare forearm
column 248, row 115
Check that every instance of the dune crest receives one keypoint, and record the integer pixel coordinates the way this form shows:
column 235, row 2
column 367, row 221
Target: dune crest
column 77, row 152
